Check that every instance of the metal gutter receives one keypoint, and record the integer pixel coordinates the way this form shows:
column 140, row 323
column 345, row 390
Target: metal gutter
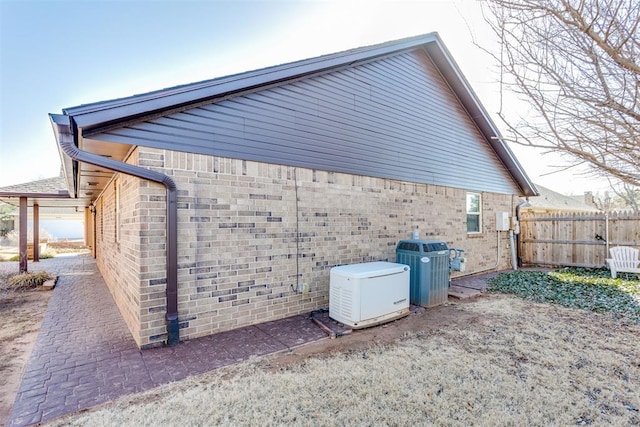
column 66, row 131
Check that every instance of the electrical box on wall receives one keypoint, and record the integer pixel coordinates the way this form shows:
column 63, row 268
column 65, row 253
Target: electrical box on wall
column 502, row 221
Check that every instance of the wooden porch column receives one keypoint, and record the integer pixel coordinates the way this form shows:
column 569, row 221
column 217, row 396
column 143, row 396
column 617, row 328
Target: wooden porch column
column 36, row 232
column 22, row 234
column 88, row 228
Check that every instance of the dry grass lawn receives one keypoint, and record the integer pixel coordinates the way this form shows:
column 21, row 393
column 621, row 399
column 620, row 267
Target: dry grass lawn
column 21, row 312
column 510, row 362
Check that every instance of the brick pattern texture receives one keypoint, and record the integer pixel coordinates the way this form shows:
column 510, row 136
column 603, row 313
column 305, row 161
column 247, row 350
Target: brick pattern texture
column 119, row 250
column 250, row 233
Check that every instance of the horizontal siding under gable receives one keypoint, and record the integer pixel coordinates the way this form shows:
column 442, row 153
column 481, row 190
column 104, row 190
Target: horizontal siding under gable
column 391, row 118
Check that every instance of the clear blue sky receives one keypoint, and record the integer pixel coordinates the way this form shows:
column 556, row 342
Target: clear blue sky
column 58, row 54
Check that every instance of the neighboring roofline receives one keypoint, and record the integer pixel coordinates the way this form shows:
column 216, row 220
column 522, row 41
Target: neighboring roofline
column 550, row 200
column 92, row 118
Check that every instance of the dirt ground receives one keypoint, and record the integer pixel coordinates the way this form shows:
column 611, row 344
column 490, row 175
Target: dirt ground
column 491, row 360
column 453, row 316
column 21, row 313
column 425, row 320
column 498, row 357
column 27, row 308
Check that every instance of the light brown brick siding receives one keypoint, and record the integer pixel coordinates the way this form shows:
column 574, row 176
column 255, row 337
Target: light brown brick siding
column 120, row 261
column 239, row 259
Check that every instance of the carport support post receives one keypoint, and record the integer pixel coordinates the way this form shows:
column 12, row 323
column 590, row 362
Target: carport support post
column 22, row 234
column 36, row 232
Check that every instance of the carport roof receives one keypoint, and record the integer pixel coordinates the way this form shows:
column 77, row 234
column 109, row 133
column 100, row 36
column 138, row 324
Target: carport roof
column 44, row 192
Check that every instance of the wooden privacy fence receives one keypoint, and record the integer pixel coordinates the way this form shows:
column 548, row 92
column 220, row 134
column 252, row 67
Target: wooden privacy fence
column 580, row 239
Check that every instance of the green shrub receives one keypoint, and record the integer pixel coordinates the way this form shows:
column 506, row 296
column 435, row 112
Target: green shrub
column 28, row 280
column 587, row 289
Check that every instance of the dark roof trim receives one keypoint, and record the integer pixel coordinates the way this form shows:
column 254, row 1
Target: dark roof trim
column 443, row 59
column 94, row 117
column 109, row 112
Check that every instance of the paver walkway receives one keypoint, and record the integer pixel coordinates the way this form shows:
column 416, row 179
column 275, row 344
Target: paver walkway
column 84, row 354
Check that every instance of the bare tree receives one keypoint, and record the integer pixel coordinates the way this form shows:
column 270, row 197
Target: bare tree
column 6, row 218
column 628, row 197
column 575, row 62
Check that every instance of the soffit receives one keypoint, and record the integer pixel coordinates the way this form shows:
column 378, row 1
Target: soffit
column 93, row 179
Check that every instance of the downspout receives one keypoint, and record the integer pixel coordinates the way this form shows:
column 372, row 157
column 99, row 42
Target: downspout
column 521, row 205
column 66, row 143
column 512, row 244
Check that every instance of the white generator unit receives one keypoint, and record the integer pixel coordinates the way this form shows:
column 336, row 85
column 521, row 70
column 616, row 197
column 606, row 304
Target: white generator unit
column 363, row 295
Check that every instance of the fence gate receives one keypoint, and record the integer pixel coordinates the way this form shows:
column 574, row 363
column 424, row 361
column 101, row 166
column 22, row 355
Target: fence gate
column 580, row 239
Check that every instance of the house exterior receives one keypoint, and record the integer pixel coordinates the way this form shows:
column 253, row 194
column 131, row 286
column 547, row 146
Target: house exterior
column 225, row 203
column 549, row 201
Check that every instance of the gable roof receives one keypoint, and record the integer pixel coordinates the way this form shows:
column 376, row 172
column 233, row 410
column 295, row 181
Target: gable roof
column 55, row 185
column 92, row 119
column 45, row 192
column 96, row 116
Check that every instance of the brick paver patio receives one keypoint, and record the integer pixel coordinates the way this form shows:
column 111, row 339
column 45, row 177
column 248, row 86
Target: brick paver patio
column 84, row 354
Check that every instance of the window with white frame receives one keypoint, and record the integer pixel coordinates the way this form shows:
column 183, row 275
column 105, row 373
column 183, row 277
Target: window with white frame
column 474, row 213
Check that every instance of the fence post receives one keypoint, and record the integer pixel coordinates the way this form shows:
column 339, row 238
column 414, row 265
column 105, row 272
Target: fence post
column 606, row 235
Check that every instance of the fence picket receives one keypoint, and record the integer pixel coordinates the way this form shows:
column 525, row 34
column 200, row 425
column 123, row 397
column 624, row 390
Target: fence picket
column 575, row 238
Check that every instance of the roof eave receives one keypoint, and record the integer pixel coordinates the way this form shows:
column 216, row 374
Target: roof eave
column 111, row 112
column 93, row 117
column 61, row 124
column 467, row 96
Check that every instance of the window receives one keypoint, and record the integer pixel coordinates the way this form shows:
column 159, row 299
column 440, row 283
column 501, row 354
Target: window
column 474, row 213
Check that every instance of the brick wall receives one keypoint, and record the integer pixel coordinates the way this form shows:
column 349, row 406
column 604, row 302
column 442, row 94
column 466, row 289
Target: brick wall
column 119, row 252
column 239, row 259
